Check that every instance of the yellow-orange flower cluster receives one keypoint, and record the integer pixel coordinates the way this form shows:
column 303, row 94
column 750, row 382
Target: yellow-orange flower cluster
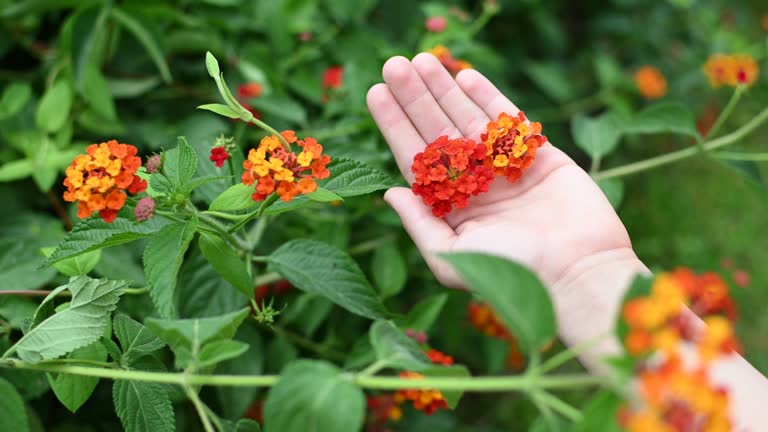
column 651, row 82
column 660, row 321
column 427, row 400
column 445, row 56
column 511, row 144
column 274, row 168
column 98, row 180
column 676, row 398
column 483, row 318
column 731, row 70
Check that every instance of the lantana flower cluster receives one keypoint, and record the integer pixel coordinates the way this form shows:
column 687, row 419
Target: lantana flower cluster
column 100, row 180
column 675, row 395
column 449, row 171
column 651, row 82
column 446, row 58
column 274, row 168
column 483, row 318
column 731, row 70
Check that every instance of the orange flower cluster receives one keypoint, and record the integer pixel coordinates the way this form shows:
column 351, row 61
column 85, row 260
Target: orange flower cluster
column 98, row 180
column 660, row 321
column 274, row 168
column 448, row 171
column 511, row 144
column 453, row 65
column 427, row 400
column 676, row 398
column 483, row 318
column 650, row 82
column 731, row 70
column 438, row 357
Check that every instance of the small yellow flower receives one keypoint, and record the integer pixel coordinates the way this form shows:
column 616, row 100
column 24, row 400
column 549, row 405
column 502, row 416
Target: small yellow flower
column 500, row 161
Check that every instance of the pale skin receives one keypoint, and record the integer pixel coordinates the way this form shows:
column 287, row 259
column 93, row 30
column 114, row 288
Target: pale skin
column 555, row 220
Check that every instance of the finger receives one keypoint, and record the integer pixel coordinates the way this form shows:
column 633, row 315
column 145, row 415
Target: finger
column 431, row 234
column 469, row 118
column 485, row 94
column 414, row 96
column 402, row 137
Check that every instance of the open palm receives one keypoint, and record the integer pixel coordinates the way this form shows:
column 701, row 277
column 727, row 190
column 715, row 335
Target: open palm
column 551, row 219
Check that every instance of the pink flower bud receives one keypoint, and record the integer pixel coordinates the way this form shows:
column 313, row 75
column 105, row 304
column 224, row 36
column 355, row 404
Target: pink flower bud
column 153, row 164
column 436, row 24
column 145, row 208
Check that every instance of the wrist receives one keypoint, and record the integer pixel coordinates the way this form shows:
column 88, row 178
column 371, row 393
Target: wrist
column 587, row 299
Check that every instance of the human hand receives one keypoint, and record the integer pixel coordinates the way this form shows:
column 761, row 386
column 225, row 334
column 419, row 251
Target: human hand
column 551, row 220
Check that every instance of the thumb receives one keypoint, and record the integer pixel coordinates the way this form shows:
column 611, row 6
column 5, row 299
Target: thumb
column 431, row 234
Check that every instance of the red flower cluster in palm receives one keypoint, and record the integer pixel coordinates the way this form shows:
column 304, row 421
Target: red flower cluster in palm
column 448, row 172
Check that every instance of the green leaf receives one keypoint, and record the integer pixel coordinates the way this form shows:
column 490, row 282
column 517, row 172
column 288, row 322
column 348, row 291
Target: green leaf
column 13, row 416
column 324, row 195
column 17, row 311
column 53, row 110
column 180, row 164
column 320, row 268
column 423, row 315
column 128, row 88
column 220, row 109
column 186, row 337
column 201, row 292
column 143, row 406
column 388, row 270
column 600, row 413
column 21, row 237
column 80, row 324
column 514, row 292
column 395, row 349
column 452, row 397
column 87, row 45
column 613, row 188
column 219, row 351
column 14, row 97
column 135, row 340
column 96, row 92
column 236, row 197
column 77, row 265
column 664, row 117
column 552, row 80
column 162, row 260
column 597, row 136
column 313, row 396
column 226, row 262
column 16, row 169
column 141, row 34
column 93, row 233
column 74, row 390
column 212, row 65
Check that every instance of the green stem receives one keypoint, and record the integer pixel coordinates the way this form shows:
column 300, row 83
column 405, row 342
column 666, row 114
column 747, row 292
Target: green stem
column 470, row 384
column 481, row 21
column 267, row 278
column 65, row 293
column 686, row 152
column 222, row 231
column 741, row 156
column 370, row 245
column 726, row 111
column 222, row 215
column 231, row 166
column 83, row 362
column 200, row 407
column 256, row 213
column 373, row 368
column 559, row 405
column 566, row 355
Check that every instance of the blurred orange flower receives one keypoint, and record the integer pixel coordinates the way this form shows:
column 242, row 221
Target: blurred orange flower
column 453, row 65
column 651, row 82
column 731, row 70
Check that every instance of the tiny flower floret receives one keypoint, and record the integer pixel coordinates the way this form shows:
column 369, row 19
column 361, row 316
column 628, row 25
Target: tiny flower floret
column 274, row 168
column 219, row 155
column 145, row 209
column 98, row 180
column 651, row 82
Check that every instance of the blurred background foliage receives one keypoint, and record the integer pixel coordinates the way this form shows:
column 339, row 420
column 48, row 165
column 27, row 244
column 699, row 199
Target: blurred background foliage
column 76, row 72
